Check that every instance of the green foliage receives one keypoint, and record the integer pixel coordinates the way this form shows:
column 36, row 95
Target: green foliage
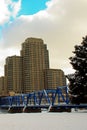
column 78, row 80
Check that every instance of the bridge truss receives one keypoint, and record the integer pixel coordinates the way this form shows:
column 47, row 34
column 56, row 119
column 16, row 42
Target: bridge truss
column 52, row 100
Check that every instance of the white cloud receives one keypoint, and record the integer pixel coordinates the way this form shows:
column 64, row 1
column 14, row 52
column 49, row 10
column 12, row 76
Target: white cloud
column 8, row 9
column 61, row 26
column 16, row 6
column 4, row 13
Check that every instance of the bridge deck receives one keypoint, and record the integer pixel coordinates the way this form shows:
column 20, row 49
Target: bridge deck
column 47, row 106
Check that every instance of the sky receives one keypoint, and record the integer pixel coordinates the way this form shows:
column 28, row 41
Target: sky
column 60, row 23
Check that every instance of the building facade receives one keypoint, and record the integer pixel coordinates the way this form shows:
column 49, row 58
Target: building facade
column 54, row 78
column 13, row 74
column 35, row 58
column 2, row 86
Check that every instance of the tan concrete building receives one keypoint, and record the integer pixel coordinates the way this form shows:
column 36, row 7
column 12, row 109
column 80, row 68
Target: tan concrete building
column 54, row 78
column 13, row 74
column 35, row 59
column 2, row 88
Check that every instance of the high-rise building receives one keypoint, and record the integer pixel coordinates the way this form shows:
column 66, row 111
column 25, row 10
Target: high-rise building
column 35, row 59
column 54, row 78
column 13, row 74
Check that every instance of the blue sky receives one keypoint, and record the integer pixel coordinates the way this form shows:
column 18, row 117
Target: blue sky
column 32, row 6
column 28, row 7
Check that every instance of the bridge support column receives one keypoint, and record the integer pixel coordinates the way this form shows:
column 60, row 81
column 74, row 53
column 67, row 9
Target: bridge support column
column 60, row 109
column 30, row 109
column 15, row 110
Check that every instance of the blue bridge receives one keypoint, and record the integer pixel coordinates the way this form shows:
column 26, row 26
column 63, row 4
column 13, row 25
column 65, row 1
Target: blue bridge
column 53, row 100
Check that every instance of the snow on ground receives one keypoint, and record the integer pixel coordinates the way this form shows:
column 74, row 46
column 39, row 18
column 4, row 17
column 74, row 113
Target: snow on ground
column 44, row 121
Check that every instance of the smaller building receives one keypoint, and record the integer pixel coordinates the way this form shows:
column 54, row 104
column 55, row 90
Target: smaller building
column 2, row 86
column 13, row 74
column 54, row 78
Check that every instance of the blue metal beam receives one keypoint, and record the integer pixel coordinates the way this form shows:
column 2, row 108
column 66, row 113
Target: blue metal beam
column 42, row 97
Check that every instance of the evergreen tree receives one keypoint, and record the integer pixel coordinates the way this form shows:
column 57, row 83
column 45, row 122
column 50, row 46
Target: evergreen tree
column 78, row 80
